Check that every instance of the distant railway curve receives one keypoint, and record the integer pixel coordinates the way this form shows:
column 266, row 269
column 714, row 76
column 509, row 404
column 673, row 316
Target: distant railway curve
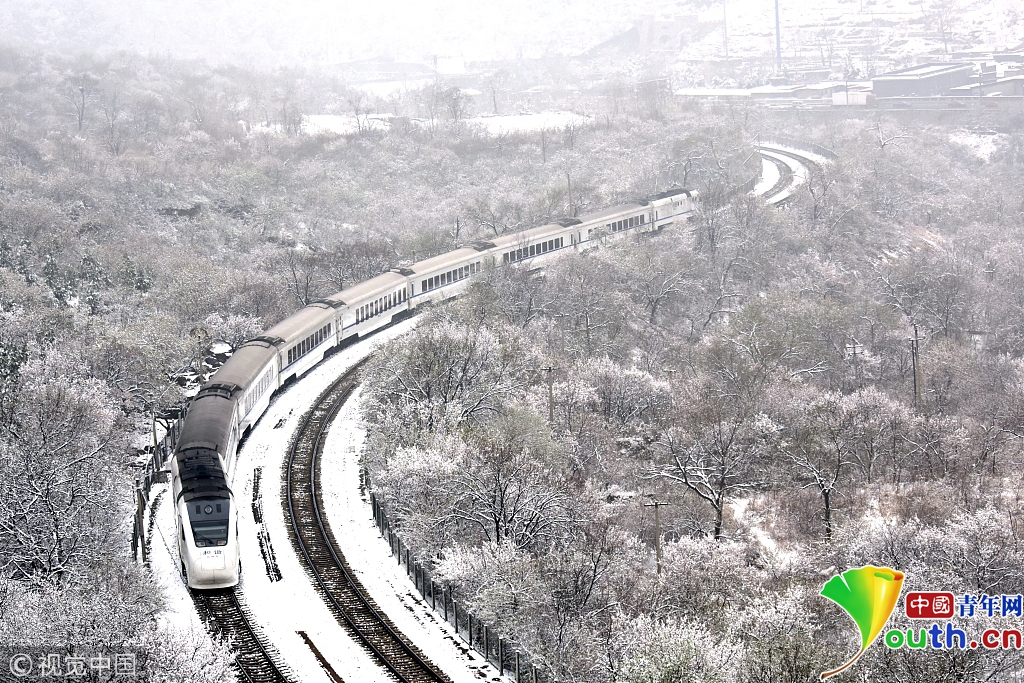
column 794, row 170
column 316, row 547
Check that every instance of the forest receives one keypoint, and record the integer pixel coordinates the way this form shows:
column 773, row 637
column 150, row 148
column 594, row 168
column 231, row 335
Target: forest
column 792, row 392
column 749, row 371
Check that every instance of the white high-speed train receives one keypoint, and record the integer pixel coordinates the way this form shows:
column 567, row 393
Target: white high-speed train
column 231, row 402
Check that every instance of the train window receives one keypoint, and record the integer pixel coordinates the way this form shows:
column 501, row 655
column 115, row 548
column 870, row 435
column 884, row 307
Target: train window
column 643, row 218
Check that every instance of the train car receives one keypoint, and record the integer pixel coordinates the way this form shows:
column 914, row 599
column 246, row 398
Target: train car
column 254, row 365
column 373, row 304
column 240, row 391
column 442, row 277
column 539, row 244
column 614, row 221
column 207, row 517
column 672, row 206
column 306, row 336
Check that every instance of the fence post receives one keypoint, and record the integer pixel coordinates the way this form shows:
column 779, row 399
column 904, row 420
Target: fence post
column 433, row 598
column 140, row 516
column 406, row 561
column 455, row 610
column 444, row 601
column 533, row 672
column 519, row 678
column 501, row 657
column 469, row 617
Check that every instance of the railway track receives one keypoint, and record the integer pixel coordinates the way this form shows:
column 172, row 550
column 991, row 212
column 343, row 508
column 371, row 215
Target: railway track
column 225, row 615
column 315, row 545
column 794, row 169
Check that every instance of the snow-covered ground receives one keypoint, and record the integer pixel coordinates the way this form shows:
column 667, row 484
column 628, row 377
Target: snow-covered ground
column 799, row 175
column 520, row 123
column 769, row 176
column 286, row 606
column 982, row 146
column 493, row 125
column 343, row 125
column 351, row 519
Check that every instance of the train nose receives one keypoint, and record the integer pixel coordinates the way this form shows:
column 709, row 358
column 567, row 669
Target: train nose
column 209, row 563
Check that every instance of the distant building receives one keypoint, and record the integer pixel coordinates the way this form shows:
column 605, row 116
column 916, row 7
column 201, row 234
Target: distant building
column 922, row 80
column 653, row 35
column 669, row 35
column 1005, row 87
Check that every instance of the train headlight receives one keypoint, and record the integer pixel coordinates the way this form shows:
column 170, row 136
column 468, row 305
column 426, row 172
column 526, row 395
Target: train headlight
column 208, row 509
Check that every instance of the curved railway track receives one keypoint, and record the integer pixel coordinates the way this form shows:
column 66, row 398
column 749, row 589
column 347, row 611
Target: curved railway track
column 315, row 545
column 794, row 169
column 225, row 615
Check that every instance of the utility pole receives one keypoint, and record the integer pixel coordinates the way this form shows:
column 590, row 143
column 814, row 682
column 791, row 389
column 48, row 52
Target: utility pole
column 657, row 527
column 915, row 351
column 778, row 40
column 551, row 392
column 852, row 348
column 725, row 29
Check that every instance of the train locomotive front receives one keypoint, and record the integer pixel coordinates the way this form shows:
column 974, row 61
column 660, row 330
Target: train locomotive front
column 206, row 511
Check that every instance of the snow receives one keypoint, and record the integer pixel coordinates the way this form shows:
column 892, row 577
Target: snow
column 981, row 145
column 769, row 176
column 351, row 519
column 799, row 175
column 493, row 125
column 524, row 123
column 284, row 607
column 179, row 612
column 342, row 125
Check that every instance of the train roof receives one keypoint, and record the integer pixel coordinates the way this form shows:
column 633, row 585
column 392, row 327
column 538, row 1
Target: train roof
column 206, row 433
column 434, row 263
column 370, row 289
column 604, row 214
column 533, row 235
column 670, row 193
column 208, row 419
column 246, row 363
column 201, row 475
column 300, row 323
